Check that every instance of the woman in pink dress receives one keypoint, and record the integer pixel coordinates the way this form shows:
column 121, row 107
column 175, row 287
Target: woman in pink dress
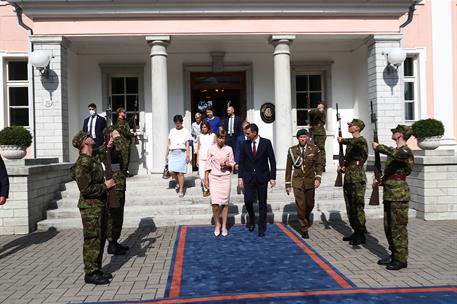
column 219, row 165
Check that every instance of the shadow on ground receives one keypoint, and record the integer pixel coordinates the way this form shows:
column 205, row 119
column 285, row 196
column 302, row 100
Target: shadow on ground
column 25, row 241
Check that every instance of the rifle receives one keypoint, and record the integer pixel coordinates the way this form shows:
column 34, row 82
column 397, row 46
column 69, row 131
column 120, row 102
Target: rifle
column 112, row 201
column 339, row 177
column 135, row 137
column 374, row 199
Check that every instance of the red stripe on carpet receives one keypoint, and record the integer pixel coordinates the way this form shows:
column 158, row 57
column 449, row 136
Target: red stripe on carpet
column 339, row 279
column 175, row 288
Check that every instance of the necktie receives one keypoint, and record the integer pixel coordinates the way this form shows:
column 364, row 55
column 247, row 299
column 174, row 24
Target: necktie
column 254, row 149
column 231, row 126
column 91, row 125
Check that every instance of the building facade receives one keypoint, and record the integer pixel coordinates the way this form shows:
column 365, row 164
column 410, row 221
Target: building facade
column 158, row 59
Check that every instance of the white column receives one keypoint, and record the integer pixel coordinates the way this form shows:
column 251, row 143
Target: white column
column 283, row 97
column 51, row 100
column 385, row 86
column 159, row 101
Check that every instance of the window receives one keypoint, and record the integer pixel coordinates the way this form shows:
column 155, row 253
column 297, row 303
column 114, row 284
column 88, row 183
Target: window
column 124, row 93
column 411, row 88
column 17, row 91
column 308, row 92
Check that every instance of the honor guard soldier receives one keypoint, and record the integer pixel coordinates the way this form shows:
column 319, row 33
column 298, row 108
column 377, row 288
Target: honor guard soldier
column 88, row 174
column 396, row 195
column 122, row 126
column 317, row 119
column 355, row 180
column 303, row 175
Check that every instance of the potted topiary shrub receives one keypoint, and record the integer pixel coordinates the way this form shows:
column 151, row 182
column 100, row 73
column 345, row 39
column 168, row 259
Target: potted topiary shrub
column 14, row 141
column 428, row 133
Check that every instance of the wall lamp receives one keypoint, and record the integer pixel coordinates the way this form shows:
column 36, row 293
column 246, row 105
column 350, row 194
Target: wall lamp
column 40, row 60
column 395, row 57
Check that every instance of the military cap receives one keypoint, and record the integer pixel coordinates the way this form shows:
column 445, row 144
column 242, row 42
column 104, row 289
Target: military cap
column 119, row 110
column 302, row 132
column 79, row 138
column 358, row 123
column 405, row 130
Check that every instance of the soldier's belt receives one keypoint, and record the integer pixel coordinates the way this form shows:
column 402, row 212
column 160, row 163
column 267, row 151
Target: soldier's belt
column 397, row 177
column 356, row 163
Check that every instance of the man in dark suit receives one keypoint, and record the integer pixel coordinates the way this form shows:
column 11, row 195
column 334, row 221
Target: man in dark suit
column 4, row 183
column 257, row 167
column 94, row 125
column 232, row 125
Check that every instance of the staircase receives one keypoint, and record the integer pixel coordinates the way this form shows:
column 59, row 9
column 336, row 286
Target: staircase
column 151, row 200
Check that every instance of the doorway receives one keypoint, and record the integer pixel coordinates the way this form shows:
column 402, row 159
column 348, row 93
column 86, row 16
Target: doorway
column 218, row 90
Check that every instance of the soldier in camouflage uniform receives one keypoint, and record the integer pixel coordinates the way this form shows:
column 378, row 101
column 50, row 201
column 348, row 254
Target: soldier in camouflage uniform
column 317, row 120
column 88, row 174
column 116, row 212
column 122, row 126
column 306, row 161
column 399, row 164
column 355, row 180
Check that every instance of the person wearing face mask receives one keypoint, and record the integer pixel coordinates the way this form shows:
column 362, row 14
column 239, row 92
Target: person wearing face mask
column 94, row 125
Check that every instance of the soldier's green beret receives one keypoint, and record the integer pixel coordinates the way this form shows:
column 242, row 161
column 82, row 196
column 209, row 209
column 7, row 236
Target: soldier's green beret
column 119, row 110
column 79, row 138
column 403, row 129
column 302, row 132
column 358, row 123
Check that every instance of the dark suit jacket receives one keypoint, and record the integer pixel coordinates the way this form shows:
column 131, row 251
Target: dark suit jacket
column 239, row 143
column 256, row 169
column 100, row 125
column 4, row 181
column 237, row 126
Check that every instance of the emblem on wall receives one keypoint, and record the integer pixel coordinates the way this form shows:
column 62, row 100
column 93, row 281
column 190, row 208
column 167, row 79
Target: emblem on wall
column 267, row 112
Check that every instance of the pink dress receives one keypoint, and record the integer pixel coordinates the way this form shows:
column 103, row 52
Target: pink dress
column 219, row 180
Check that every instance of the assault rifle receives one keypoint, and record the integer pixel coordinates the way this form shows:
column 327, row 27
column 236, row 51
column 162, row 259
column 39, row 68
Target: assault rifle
column 135, row 139
column 112, row 200
column 339, row 177
column 374, row 199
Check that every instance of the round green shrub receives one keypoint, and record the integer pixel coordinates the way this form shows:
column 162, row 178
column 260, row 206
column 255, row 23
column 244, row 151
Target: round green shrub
column 427, row 128
column 15, row 136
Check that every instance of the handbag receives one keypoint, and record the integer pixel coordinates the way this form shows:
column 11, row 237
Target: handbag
column 166, row 173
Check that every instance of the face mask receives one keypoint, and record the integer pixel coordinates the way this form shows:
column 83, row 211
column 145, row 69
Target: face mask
column 92, row 112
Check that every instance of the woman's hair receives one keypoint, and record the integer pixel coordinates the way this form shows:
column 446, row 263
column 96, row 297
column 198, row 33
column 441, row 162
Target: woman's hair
column 221, row 134
column 246, row 124
column 177, row 118
column 207, row 125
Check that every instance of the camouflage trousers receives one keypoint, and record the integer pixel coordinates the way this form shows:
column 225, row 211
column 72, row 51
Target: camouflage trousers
column 94, row 231
column 319, row 141
column 395, row 222
column 116, row 218
column 304, row 200
column 354, row 196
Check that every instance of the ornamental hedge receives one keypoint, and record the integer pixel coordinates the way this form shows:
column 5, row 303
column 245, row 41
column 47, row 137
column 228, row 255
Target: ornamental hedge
column 427, row 128
column 15, row 136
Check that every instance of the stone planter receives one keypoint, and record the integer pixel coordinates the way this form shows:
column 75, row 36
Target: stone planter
column 13, row 152
column 429, row 143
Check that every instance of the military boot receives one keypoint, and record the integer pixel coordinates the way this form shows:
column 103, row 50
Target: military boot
column 358, row 239
column 96, row 278
column 396, row 265
column 349, row 237
column 115, row 248
column 385, row 261
column 106, row 275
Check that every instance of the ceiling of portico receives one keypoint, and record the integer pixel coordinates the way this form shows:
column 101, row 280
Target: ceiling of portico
column 228, row 44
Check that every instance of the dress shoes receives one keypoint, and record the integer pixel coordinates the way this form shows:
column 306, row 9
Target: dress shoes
column 349, row 237
column 396, row 265
column 116, row 249
column 385, row 261
column 96, row 278
column 251, row 228
column 358, row 239
column 305, row 235
column 261, row 233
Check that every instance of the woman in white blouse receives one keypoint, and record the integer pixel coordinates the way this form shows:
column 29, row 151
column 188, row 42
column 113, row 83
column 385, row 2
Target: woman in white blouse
column 178, row 155
column 205, row 140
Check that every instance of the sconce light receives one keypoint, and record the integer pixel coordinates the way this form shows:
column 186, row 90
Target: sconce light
column 395, row 57
column 40, row 60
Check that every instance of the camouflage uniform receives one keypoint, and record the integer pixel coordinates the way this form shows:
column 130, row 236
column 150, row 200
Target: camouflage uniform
column 122, row 126
column 355, row 181
column 317, row 120
column 399, row 164
column 306, row 163
column 88, row 174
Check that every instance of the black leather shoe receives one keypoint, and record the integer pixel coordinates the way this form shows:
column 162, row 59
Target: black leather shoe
column 349, row 237
column 251, row 228
column 358, row 239
column 396, row 265
column 96, row 278
column 106, row 275
column 385, row 261
column 261, row 233
column 116, row 250
column 305, row 235
column 123, row 247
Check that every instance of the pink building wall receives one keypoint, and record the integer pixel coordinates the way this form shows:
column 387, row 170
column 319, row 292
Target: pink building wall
column 13, row 38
